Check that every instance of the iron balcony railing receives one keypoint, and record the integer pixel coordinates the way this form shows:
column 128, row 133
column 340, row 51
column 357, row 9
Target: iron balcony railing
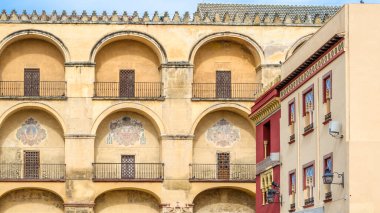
column 209, row 91
column 139, row 90
column 223, row 172
column 128, row 171
column 48, row 89
column 32, row 172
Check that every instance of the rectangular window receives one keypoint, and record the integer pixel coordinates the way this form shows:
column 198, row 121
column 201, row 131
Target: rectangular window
column 31, row 164
column 327, row 87
column 308, row 100
column 292, row 188
column 223, row 84
column 292, row 182
column 128, row 167
column 308, row 108
column 308, row 183
column 127, row 83
column 328, row 165
column 266, row 138
column 292, row 112
column 223, row 160
column 327, row 95
column 32, row 82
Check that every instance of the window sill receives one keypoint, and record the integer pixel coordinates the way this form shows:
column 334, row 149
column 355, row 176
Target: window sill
column 292, row 139
column 327, row 118
column 308, row 206
column 308, row 129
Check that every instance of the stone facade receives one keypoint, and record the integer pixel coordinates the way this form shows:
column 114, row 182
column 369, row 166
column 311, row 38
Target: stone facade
column 132, row 113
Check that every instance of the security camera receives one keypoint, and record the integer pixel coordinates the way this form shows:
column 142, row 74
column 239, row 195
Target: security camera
column 335, row 129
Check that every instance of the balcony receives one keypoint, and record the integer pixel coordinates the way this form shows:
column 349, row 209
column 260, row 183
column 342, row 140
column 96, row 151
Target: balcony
column 234, row 91
column 32, row 172
column 137, row 90
column 134, row 172
column 222, row 173
column 39, row 90
column 267, row 163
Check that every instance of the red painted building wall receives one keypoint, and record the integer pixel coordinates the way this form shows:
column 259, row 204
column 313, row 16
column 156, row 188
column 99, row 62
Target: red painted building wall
column 274, row 120
column 274, row 146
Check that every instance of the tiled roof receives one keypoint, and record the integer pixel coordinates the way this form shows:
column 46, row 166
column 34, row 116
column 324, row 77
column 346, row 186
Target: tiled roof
column 262, row 10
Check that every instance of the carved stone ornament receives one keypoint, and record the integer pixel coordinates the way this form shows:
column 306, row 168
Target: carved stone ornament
column 187, row 208
column 31, row 133
column 126, row 131
column 223, row 134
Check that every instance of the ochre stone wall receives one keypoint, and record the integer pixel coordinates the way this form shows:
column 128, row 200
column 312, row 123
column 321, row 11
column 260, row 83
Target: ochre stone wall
column 213, row 132
column 126, row 201
column 15, row 139
column 109, row 145
column 224, row 201
column 30, row 200
column 224, row 55
column 32, row 53
column 127, row 54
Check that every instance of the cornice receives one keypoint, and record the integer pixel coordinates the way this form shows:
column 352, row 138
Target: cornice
column 324, row 56
column 267, row 110
column 197, row 19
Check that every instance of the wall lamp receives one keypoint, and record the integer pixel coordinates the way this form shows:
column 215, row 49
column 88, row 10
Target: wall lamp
column 271, row 194
column 328, row 177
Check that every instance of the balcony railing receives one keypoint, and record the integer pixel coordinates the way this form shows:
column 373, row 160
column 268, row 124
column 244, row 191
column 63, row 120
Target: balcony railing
column 239, row 91
column 32, row 172
column 223, row 173
column 47, row 89
column 138, row 90
column 128, row 171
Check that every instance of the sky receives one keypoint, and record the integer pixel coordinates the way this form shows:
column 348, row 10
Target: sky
column 145, row 5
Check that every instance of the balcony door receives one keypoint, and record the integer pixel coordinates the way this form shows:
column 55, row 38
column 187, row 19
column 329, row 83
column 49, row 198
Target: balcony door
column 31, row 82
column 223, row 166
column 127, row 167
column 223, row 84
column 127, row 83
column 31, row 164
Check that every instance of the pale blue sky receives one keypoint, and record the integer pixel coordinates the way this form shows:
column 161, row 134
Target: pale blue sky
column 146, row 5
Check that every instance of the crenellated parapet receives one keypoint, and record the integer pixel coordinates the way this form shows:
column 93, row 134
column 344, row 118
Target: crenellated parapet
column 206, row 14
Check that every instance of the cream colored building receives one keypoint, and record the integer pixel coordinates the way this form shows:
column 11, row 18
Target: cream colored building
column 128, row 113
column 331, row 83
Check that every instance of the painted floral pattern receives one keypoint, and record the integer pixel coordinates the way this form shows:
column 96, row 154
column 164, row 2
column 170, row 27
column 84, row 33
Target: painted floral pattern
column 223, row 134
column 126, row 131
column 31, row 133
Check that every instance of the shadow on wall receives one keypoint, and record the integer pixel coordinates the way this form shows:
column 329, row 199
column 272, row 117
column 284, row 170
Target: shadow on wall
column 24, row 200
column 224, row 201
column 132, row 200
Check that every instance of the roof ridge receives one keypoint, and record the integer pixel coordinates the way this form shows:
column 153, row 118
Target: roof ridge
column 276, row 5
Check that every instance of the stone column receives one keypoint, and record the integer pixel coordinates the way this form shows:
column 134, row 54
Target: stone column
column 79, row 143
column 176, row 143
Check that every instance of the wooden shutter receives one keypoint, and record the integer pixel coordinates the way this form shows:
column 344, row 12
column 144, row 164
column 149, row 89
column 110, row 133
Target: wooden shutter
column 223, row 165
column 127, row 83
column 31, row 82
column 223, row 84
column 127, row 167
column 31, row 164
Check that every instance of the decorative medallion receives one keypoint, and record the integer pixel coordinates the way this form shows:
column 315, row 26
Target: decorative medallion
column 126, row 131
column 31, row 133
column 223, row 134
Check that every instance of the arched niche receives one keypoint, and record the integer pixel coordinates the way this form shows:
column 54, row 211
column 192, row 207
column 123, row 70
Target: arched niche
column 224, row 131
column 126, row 200
column 226, row 200
column 30, row 199
column 127, row 133
column 31, row 130
column 31, row 52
